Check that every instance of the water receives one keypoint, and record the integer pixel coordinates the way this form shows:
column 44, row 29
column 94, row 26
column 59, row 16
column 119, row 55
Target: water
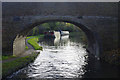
column 66, row 58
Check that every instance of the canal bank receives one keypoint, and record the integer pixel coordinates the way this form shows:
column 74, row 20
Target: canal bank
column 65, row 58
column 13, row 64
column 32, row 41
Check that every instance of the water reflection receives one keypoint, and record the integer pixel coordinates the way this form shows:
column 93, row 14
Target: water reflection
column 60, row 58
column 62, row 41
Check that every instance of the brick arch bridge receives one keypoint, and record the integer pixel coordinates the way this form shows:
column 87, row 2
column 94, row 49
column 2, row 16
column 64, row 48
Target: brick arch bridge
column 99, row 27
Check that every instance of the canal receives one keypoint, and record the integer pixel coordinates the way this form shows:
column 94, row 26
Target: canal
column 66, row 58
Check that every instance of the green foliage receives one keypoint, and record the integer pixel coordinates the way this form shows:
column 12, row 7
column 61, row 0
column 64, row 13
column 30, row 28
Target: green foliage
column 52, row 25
column 38, row 36
column 40, row 29
column 60, row 26
column 45, row 25
column 26, row 47
column 65, row 26
column 35, row 31
column 11, row 66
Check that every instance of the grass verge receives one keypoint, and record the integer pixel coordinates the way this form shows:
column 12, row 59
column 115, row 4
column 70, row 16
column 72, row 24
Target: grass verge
column 12, row 66
column 26, row 48
column 8, row 57
column 33, row 41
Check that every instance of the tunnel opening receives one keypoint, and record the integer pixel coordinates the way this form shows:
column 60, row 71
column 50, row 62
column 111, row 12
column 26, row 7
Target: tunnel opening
column 93, row 43
column 56, row 30
column 65, row 53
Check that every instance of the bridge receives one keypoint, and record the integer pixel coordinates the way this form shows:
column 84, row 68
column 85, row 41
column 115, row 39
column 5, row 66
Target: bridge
column 98, row 20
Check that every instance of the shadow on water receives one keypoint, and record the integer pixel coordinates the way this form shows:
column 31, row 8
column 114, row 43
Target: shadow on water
column 100, row 69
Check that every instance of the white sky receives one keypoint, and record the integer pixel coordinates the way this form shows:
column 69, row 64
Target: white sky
column 60, row 0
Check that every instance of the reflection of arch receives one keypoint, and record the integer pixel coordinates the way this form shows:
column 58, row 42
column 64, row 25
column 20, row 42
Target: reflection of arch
column 93, row 43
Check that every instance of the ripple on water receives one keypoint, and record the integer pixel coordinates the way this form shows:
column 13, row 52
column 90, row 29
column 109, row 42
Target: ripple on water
column 63, row 61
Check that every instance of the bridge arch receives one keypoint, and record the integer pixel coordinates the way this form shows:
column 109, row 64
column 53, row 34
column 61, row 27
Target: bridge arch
column 94, row 46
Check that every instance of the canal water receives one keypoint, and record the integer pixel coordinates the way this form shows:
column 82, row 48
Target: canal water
column 65, row 57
